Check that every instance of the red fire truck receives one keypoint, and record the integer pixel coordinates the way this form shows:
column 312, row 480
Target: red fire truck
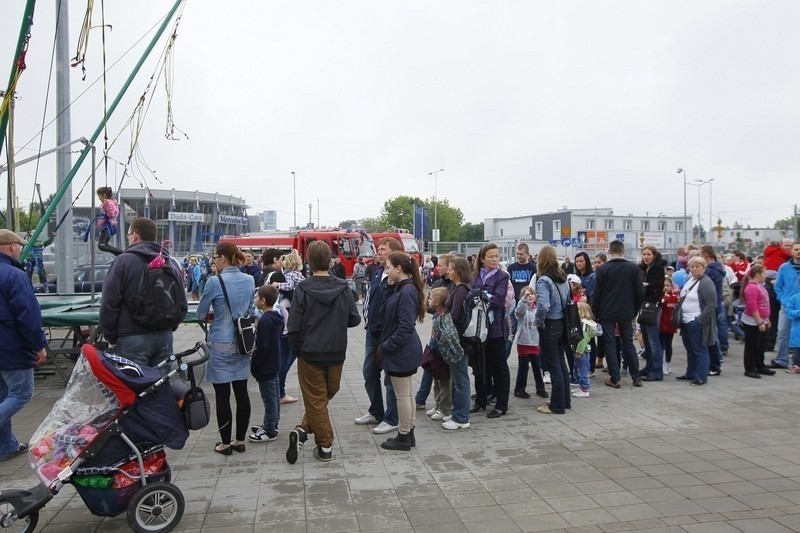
column 348, row 246
column 408, row 241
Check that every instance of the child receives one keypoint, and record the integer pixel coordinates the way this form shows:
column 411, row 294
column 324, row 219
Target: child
column 792, row 310
column 583, row 352
column 107, row 219
column 293, row 273
column 265, row 363
column 442, row 390
column 528, row 345
column 666, row 330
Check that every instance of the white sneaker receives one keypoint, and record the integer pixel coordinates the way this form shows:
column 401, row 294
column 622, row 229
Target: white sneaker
column 382, row 428
column 546, row 377
column 438, row 415
column 452, row 424
column 448, row 418
column 667, row 369
column 431, row 412
column 580, row 394
column 366, row 419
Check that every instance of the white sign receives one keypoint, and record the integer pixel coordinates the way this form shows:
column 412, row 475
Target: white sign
column 651, row 238
column 230, row 219
column 175, row 216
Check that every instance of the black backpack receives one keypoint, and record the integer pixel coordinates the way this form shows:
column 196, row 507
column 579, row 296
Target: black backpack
column 572, row 320
column 476, row 316
column 157, row 304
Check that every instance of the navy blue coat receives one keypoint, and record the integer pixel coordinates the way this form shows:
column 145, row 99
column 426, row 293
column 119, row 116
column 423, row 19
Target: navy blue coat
column 401, row 349
column 21, row 334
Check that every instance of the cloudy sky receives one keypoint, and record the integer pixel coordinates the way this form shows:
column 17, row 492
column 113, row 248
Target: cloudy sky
column 529, row 106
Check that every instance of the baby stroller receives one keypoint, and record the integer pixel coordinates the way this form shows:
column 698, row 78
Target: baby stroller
column 106, row 436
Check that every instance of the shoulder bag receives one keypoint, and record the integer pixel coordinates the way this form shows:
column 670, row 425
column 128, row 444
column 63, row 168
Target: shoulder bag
column 676, row 314
column 244, row 327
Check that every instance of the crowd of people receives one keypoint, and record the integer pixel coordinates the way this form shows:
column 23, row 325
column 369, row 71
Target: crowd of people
column 568, row 320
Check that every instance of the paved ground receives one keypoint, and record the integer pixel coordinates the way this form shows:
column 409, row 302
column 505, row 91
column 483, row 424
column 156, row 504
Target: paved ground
column 668, row 457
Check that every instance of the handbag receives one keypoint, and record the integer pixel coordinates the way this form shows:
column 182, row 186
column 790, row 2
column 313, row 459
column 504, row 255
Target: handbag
column 244, row 327
column 433, row 363
column 676, row 314
column 648, row 314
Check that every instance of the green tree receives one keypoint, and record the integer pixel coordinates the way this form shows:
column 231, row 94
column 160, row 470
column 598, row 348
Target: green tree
column 399, row 213
column 372, row 225
column 347, row 223
column 471, row 232
column 785, row 223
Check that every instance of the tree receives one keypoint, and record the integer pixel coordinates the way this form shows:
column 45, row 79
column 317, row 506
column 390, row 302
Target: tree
column 471, row 232
column 399, row 213
column 785, row 223
column 347, row 224
column 372, row 225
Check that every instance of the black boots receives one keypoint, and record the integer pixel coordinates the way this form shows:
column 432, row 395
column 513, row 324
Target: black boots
column 400, row 442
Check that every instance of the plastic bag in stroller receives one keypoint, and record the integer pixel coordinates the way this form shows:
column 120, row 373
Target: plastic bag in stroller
column 106, row 436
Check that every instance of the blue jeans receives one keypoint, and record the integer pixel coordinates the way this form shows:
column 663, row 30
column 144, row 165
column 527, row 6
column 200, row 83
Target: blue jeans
column 148, row 349
column 16, row 389
column 722, row 330
column 653, row 354
column 272, row 401
column 553, row 346
column 582, row 370
column 424, row 391
column 628, row 351
column 784, row 324
column 287, row 360
column 372, row 383
column 459, row 379
column 697, row 359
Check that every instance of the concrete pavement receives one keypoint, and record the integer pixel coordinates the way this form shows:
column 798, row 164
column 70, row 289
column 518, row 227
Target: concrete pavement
column 666, row 457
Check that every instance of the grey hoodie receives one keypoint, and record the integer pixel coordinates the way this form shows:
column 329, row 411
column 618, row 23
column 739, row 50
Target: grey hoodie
column 322, row 310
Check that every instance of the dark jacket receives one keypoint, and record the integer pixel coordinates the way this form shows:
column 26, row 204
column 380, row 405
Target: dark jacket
column 322, row 310
column 496, row 284
column 654, row 277
column 375, row 300
column 122, row 284
column 618, row 291
column 21, row 331
column 266, row 360
column 400, row 346
column 716, row 272
column 455, row 306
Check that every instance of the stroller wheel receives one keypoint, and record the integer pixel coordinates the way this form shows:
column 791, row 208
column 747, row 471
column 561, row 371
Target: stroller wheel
column 9, row 520
column 156, row 507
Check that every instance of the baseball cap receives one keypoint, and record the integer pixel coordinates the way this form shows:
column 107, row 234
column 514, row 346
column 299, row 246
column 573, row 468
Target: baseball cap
column 9, row 237
column 572, row 278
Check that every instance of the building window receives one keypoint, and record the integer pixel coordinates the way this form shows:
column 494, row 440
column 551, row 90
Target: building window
column 627, row 225
column 732, row 234
column 538, row 228
column 757, row 233
column 556, row 229
column 645, row 225
column 501, row 232
column 589, row 223
column 679, row 226
column 609, row 224
column 662, row 225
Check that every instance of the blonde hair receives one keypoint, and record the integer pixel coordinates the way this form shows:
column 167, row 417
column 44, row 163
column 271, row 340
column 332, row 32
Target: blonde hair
column 440, row 293
column 585, row 311
column 293, row 261
column 697, row 260
column 527, row 290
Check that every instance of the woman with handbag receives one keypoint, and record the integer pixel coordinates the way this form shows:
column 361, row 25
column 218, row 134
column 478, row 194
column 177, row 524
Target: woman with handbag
column 653, row 272
column 698, row 321
column 230, row 295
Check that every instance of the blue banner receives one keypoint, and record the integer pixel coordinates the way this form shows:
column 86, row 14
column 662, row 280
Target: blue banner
column 421, row 225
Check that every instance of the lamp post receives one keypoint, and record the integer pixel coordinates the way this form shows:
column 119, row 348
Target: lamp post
column 685, row 231
column 294, row 198
column 698, row 184
column 435, row 235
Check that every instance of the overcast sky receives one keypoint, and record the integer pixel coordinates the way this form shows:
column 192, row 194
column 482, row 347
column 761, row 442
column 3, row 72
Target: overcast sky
column 529, row 106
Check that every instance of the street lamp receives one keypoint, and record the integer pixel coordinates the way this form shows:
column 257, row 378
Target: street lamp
column 698, row 184
column 685, row 231
column 294, row 198
column 435, row 235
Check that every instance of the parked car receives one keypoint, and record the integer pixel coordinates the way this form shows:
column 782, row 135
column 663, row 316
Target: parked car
column 83, row 279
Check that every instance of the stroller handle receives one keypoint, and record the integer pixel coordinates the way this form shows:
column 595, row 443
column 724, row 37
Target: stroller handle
column 199, row 347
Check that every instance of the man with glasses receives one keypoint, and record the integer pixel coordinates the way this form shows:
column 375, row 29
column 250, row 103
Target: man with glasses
column 22, row 338
column 133, row 340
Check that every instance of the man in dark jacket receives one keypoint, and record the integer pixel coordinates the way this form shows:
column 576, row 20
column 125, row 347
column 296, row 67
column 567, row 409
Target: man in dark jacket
column 618, row 295
column 716, row 272
column 322, row 310
column 22, row 339
column 376, row 296
column 133, row 340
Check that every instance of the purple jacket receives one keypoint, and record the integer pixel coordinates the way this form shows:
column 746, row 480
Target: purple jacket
column 496, row 284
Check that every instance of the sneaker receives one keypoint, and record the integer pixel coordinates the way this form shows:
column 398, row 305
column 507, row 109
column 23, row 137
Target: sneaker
column 452, row 424
column 288, row 399
column 296, row 439
column 448, row 418
column 421, row 407
column 574, row 384
column 580, row 394
column 366, row 419
column 431, row 412
column 255, row 429
column 591, row 374
column 546, row 377
column 382, row 428
column 668, row 368
column 323, row 454
column 261, row 436
column 438, row 415
column 614, row 383
column 794, row 369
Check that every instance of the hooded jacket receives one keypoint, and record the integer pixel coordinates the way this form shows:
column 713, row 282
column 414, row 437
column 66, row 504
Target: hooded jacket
column 266, row 360
column 322, row 310
column 716, row 272
column 21, row 331
column 121, row 285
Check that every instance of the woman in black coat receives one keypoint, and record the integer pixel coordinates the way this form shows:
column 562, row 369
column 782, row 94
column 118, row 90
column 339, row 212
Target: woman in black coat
column 653, row 270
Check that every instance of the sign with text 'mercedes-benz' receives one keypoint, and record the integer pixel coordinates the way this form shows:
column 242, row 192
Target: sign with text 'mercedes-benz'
column 230, row 219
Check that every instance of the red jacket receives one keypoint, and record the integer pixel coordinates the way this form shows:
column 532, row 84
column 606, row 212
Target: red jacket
column 774, row 256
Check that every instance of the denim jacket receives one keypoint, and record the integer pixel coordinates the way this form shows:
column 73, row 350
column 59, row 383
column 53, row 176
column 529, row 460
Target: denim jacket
column 550, row 298
column 241, row 288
